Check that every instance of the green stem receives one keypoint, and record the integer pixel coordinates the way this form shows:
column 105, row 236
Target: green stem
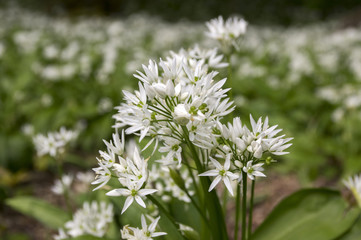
column 164, row 211
column 251, row 210
column 197, row 207
column 59, row 166
column 238, row 205
column 211, row 201
column 244, row 205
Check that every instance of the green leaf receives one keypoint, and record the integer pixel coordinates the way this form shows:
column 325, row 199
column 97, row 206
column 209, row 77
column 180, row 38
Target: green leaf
column 177, row 178
column 354, row 233
column 49, row 215
column 312, row 214
column 88, row 237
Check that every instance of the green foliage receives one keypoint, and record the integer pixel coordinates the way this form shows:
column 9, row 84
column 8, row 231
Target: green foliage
column 88, row 237
column 51, row 216
column 318, row 214
column 354, row 233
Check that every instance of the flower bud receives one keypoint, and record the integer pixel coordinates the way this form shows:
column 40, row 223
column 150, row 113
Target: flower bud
column 181, row 115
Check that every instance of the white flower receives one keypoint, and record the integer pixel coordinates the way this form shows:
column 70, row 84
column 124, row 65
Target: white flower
column 226, row 32
column 146, row 233
column 253, row 170
column 62, row 185
column 85, row 177
column 117, row 146
column 181, row 115
column 149, row 231
column 61, row 235
column 221, row 173
column 132, row 192
column 92, row 219
column 103, row 175
column 354, row 184
column 54, row 142
column 47, row 144
column 173, row 149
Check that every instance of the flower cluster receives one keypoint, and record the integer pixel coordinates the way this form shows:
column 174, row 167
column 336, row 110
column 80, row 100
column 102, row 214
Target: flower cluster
column 209, row 57
column 226, row 32
column 244, row 150
column 354, row 184
column 146, row 233
column 93, row 219
column 347, row 99
column 176, row 98
column 62, row 185
column 129, row 168
column 54, row 143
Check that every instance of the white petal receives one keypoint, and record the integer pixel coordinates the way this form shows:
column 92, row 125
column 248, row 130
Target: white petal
column 127, row 203
column 228, row 185
column 214, row 183
column 144, row 223
column 153, row 225
column 258, row 174
column 157, row 234
column 144, row 192
column 119, row 192
column 140, row 201
column 216, row 163
column 210, row 173
column 227, row 164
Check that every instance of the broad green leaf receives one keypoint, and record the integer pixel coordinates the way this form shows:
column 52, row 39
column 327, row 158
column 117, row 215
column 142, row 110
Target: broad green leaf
column 312, row 214
column 44, row 212
column 354, row 233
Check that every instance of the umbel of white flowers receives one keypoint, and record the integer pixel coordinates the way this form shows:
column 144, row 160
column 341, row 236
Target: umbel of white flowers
column 54, row 142
column 179, row 99
column 226, row 32
column 93, row 219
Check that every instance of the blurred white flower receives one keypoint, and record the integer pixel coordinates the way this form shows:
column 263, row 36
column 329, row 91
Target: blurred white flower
column 226, row 32
column 93, row 219
column 62, row 185
column 54, row 142
column 354, row 185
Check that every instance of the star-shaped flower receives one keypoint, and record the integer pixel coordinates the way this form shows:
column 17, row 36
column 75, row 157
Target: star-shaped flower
column 133, row 192
column 221, row 173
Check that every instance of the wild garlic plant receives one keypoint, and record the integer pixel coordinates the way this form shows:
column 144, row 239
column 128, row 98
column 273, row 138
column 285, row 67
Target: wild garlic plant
column 178, row 110
column 55, row 144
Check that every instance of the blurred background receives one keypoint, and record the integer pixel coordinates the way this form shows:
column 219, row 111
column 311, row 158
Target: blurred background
column 280, row 12
column 65, row 63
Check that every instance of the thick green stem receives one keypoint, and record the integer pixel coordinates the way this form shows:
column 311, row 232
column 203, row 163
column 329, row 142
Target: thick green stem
column 251, row 210
column 238, row 206
column 244, row 206
column 211, row 201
